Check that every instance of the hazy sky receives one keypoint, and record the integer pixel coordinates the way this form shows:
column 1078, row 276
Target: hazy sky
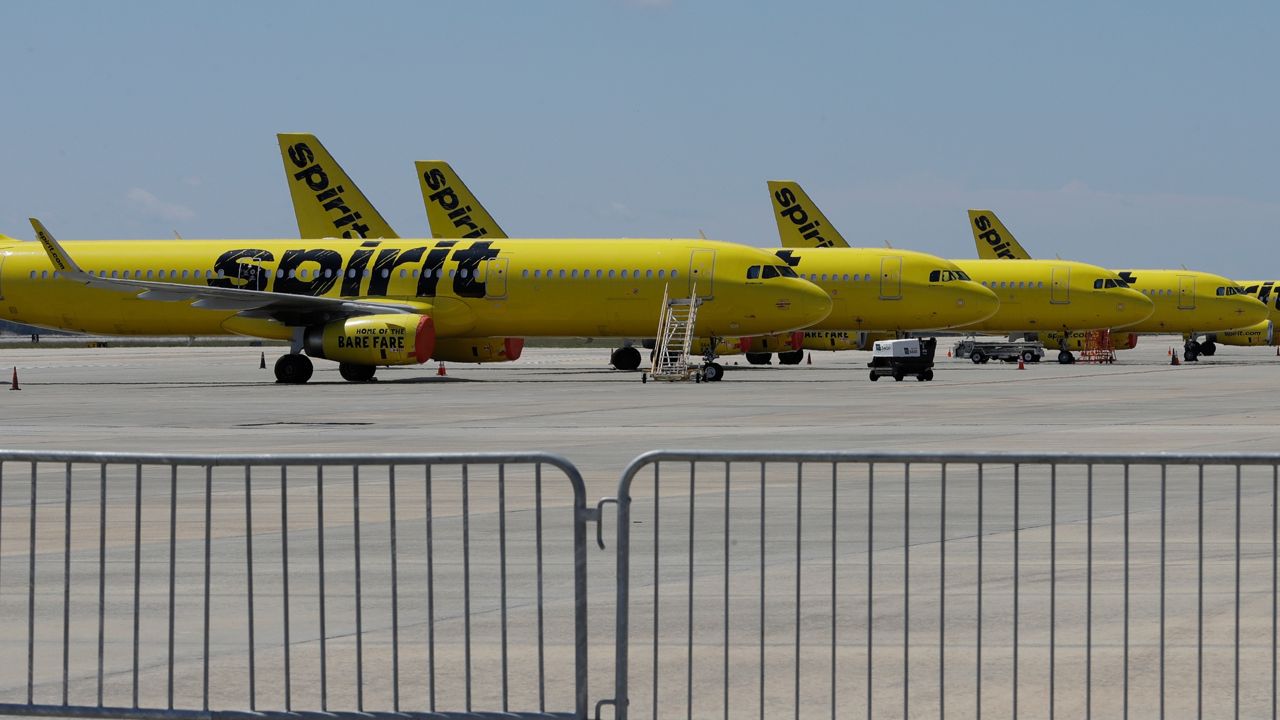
column 1127, row 134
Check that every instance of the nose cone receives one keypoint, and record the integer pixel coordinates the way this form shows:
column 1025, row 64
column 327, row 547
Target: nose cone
column 971, row 303
column 802, row 303
column 1128, row 306
column 1249, row 309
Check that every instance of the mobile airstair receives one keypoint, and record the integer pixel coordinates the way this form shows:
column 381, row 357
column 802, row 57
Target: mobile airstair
column 674, row 338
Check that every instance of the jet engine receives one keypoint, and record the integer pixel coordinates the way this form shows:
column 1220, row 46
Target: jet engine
column 374, row 340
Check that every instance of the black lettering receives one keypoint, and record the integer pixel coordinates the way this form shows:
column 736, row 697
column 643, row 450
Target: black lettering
column 335, row 190
column 314, row 177
column 300, row 155
column 991, row 237
column 795, row 214
column 478, row 232
column 330, row 263
column 788, row 257
column 445, row 198
column 468, row 262
column 355, row 270
column 785, row 197
column 434, row 179
column 982, row 223
column 240, row 269
column 388, row 260
column 432, row 267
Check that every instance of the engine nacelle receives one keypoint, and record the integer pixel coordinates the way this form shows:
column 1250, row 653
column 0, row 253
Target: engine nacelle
column 478, row 350
column 1261, row 334
column 783, row 342
column 374, row 340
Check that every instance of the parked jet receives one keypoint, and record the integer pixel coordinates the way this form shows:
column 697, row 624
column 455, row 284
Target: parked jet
column 1058, row 295
column 365, row 302
column 883, row 290
column 1188, row 302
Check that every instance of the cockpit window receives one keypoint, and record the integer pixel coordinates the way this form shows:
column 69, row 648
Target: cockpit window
column 753, row 272
column 947, row 276
column 1233, row 290
column 770, row 272
column 786, row 271
column 1101, row 283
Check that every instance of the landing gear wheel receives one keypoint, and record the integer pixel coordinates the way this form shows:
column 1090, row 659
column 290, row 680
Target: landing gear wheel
column 356, row 373
column 759, row 358
column 874, row 376
column 1065, row 357
column 926, row 376
column 293, row 369
column 625, row 358
column 712, row 372
column 977, row 357
column 1208, row 348
column 1191, row 351
column 795, row 357
column 1028, row 356
column 897, row 376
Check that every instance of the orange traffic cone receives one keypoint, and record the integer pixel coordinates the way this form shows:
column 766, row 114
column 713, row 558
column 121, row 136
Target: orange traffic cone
column 1174, row 360
column 1021, row 364
column 1170, row 352
column 948, row 353
column 440, row 370
column 262, row 363
column 810, row 359
column 14, row 386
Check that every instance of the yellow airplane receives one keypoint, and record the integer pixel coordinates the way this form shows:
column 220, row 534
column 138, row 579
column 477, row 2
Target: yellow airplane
column 1057, row 295
column 1188, row 302
column 1264, row 332
column 872, row 289
column 366, row 302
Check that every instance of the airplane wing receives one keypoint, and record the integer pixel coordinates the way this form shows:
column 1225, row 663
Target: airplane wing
column 291, row 309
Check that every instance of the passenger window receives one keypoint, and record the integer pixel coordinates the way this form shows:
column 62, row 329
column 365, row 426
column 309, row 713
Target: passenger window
column 612, row 274
column 561, row 274
column 824, row 277
column 537, row 273
column 770, row 272
column 866, row 277
column 635, row 274
column 386, row 273
column 661, row 273
column 674, row 273
column 648, row 274
column 184, row 274
column 753, row 272
column 452, row 273
column 44, row 274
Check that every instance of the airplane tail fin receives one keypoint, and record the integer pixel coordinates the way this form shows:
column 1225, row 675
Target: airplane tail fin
column 800, row 223
column 452, row 210
column 993, row 239
column 326, row 200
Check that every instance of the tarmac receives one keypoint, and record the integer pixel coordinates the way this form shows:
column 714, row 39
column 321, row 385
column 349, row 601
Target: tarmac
column 568, row 401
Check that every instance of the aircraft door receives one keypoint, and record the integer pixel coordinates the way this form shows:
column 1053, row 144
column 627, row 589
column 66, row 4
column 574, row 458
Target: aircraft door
column 495, row 278
column 1060, row 285
column 1186, row 292
column 891, row 278
column 702, row 265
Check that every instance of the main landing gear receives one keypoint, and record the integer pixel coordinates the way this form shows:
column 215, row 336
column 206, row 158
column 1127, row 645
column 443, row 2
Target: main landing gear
column 792, row 357
column 356, row 373
column 625, row 358
column 293, row 369
column 1192, row 350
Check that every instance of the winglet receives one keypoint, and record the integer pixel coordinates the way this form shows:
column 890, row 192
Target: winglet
column 800, row 223
column 57, row 254
column 993, row 239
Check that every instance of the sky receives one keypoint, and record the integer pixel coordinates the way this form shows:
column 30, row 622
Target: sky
column 1137, row 134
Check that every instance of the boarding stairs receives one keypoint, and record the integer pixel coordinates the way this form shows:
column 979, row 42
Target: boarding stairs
column 675, row 338
column 1098, row 348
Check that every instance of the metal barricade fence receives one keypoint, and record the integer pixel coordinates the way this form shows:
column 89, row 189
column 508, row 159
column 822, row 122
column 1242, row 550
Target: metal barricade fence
column 811, row 584
column 180, row 586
